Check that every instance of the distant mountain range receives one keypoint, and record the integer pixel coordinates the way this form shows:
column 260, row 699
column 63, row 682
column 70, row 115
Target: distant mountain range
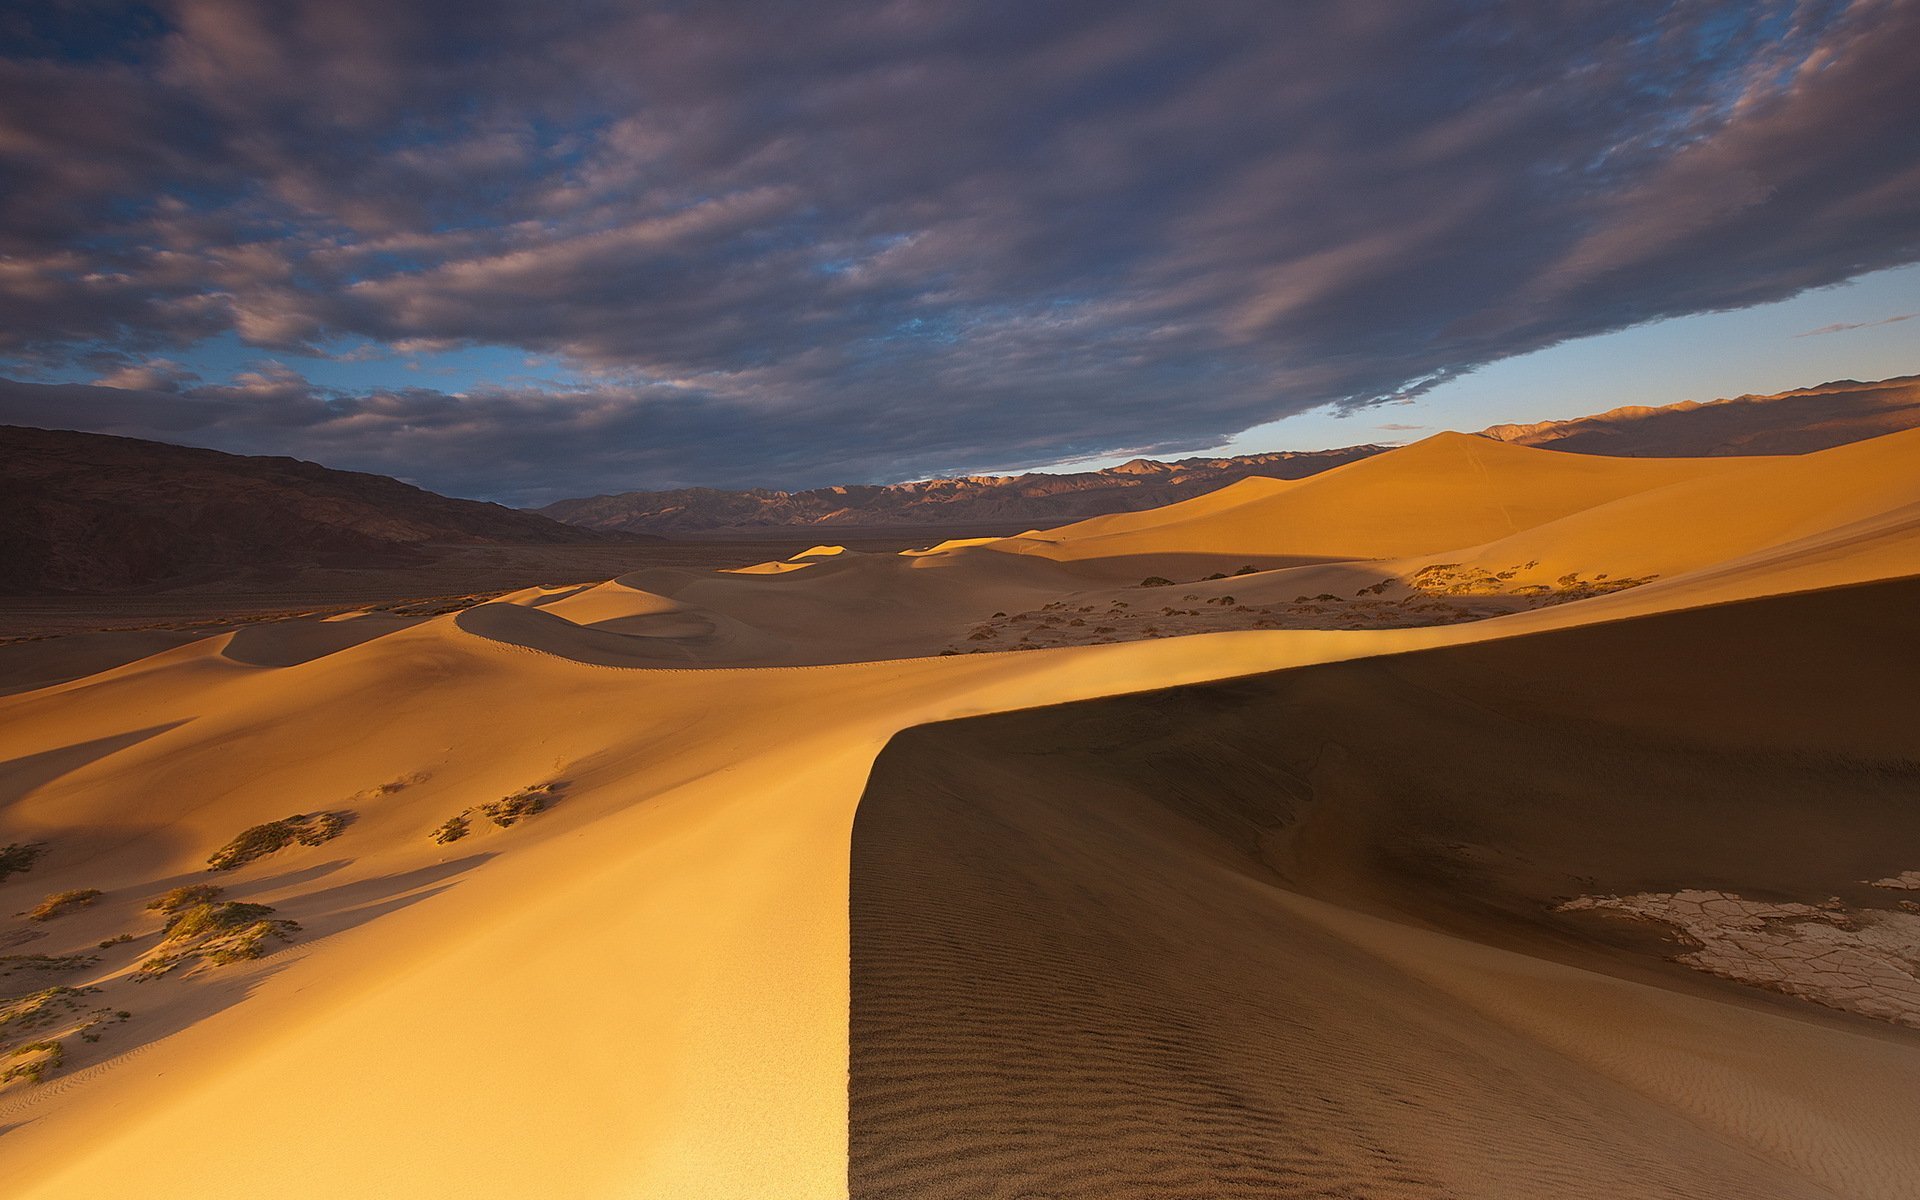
column 1036, row 498
column 84, row 512
column 88, row 513
column 1795, row 422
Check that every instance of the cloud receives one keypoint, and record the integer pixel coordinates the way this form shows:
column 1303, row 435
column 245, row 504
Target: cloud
column 1843, row 326
column 795, row 245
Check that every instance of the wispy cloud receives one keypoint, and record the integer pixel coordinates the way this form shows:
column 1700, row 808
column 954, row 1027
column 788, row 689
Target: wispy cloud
column 1843, row 326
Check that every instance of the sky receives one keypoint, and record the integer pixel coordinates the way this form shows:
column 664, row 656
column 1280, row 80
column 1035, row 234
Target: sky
column 522, row 252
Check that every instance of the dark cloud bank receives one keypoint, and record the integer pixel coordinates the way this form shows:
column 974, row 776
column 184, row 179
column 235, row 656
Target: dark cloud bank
column 792, row 244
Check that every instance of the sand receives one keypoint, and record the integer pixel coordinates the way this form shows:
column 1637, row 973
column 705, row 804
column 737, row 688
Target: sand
column 1307, row 932
column 644, row 989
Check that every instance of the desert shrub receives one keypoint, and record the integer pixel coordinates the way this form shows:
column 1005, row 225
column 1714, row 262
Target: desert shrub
column 398, row 785
column 1249, row 569
column 9, row 963
column 118, row 939
column 308, row 829
column 38, row 1010
column 217, row 932
column 1156, row 581
column 45, row 1058
column 18, row 857
column 520, row 805
column 99, row 1019
column 321, row 827
column 183, row 897
column 61, row 903
column 505, row 812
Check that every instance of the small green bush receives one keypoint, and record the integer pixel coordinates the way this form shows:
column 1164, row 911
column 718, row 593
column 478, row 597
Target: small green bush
column 9, row 963
column 308, row 829
column 517, row 807
column 44, row 1007
column 18, row 857
column 219, row 933
column 183, row 897
column 61, row 903
column 35, row 1070
column 452, row 829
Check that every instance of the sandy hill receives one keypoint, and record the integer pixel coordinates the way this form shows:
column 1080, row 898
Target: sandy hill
column 1795, row 422
column 1448, row 490
column 82, row 512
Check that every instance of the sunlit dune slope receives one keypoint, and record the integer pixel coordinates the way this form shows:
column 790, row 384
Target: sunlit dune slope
column 1864, row 497
column 1086, row 963
column 1754, row 526
column 1449, row 490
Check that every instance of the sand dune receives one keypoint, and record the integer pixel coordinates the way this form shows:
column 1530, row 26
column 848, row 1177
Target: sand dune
column 1449, row 490
column 636, row 983
column 1083, row 965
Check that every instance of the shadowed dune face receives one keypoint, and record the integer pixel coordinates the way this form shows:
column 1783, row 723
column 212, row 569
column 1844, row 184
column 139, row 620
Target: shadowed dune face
column 1117, row 948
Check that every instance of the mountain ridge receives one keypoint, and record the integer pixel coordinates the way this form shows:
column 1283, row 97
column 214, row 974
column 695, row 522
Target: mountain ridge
column 89, row 512
column 1797, row 421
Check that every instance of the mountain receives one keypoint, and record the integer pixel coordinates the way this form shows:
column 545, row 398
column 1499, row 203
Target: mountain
column 1794, row 422
column 1036, row 498
column 85, row 512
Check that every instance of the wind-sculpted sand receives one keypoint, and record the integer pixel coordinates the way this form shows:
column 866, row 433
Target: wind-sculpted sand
column 562, row 905
column 1086, row 961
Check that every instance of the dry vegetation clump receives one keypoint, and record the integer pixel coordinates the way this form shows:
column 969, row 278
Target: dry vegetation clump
column 505, row 812
column 308, row 829
column 90, row 1032
column 217, row 932
column 395, row 786
column 1156, row 581
column 510, row 810
column 118, row 939
column 61, row 903
column 183, row 897
column 18, row 857
column 41, row 1060
column 9, row 963
column 37, row 1010
column 56, row 1010
column 522, row 804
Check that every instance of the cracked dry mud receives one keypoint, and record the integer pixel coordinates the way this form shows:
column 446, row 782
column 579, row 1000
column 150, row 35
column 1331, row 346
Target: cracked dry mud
column 1864, row 961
